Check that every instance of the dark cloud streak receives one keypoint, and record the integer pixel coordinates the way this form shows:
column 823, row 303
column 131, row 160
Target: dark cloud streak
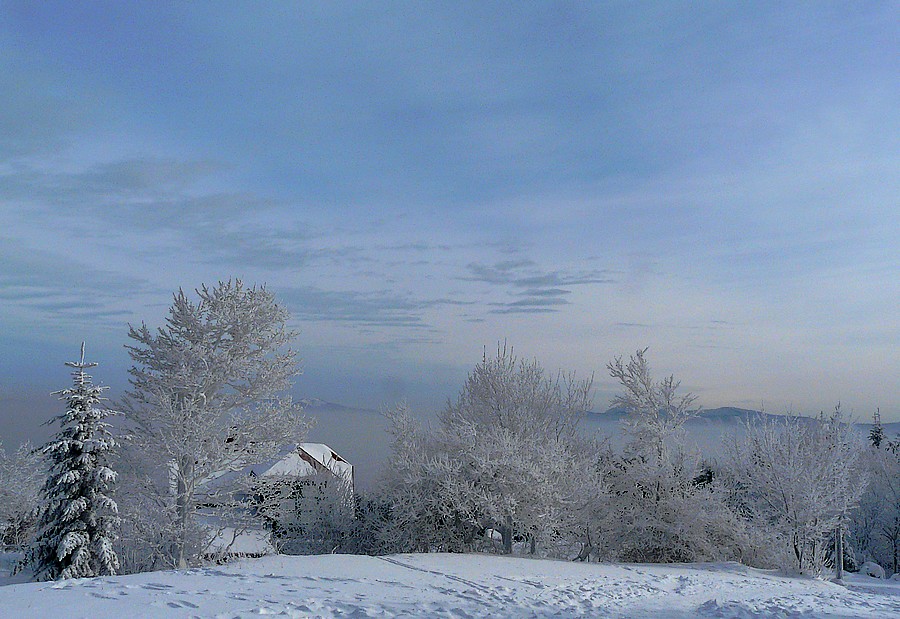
column 543, row 291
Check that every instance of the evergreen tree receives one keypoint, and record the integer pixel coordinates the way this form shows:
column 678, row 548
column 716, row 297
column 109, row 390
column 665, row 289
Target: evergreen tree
column 78, row 518
column 876, row 434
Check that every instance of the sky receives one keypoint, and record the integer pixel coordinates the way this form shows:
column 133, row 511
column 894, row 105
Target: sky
column 419, row 181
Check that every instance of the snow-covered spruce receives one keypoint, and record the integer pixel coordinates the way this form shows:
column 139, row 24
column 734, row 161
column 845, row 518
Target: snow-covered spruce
column 78, row 518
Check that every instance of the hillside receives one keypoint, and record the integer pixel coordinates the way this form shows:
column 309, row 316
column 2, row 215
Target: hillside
column 442, row 585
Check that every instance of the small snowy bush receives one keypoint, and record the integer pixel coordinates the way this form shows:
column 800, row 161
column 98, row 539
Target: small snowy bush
column 870, row 568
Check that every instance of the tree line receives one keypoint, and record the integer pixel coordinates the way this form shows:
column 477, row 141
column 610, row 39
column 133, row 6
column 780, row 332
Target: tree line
column 505, row 468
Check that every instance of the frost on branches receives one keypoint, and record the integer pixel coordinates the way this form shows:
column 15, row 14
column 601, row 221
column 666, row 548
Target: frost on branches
column 205, row 400
column 663, row 505
column 21, row 477
column 797, row 482
column 876, row 523
column 78, row 519
column 506, row 458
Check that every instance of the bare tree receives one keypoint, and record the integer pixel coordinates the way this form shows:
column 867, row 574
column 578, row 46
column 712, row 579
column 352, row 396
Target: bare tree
column 207, row 397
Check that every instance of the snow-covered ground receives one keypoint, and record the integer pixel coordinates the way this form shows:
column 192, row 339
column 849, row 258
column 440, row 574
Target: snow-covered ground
column 443, row 585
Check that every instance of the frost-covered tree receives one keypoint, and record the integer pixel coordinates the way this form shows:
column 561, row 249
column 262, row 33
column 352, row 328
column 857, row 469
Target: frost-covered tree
column 663, row 504
column 207, row 397
column 78, row 516
column 21, row 476
column 506, row 456
column 420, row 516
column 655, row 412
column 875, row 524
column 798, row 480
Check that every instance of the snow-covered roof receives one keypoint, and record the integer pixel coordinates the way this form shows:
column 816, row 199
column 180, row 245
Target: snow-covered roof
column 298, row 460
column 287, row 462
column 303, row 460
column 327, row 457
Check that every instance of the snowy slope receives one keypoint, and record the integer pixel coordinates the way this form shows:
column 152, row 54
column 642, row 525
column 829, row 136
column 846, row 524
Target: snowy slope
column 440, row 585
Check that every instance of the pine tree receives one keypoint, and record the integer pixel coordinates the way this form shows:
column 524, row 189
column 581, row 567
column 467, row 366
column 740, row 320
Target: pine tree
column 78, row 518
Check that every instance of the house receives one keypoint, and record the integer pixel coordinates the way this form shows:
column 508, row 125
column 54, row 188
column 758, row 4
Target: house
column 303, row 493
column 304, row 460
column 303, row 486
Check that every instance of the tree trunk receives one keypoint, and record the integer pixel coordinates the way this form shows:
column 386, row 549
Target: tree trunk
column 182, row 509
column 896, row 554
column 586, row 547
column 839, row 554
column 506, row 536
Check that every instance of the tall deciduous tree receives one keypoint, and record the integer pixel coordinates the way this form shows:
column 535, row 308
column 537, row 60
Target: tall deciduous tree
column 662, row 506
column 78, row 519
column 207, row 397
column 876, row 522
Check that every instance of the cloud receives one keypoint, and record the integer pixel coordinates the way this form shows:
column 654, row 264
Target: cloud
column 158, row 207
column 149, row 190
column 531, row 305
column 534, row 301
column 40, row 287
column 526, row 274
column 536, row 291
column 364, row 309
column 549, row 292
column 155, row 208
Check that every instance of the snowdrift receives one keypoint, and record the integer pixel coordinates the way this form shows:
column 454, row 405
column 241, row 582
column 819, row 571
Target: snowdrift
column 442, row 585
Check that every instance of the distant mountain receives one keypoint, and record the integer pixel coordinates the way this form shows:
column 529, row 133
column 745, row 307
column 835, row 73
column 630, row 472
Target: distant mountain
column 725, row 413
column 360, row 435
column 711, row 427
column 317, row 406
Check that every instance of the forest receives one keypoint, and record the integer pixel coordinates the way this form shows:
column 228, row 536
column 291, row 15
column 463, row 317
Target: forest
column 129, row 485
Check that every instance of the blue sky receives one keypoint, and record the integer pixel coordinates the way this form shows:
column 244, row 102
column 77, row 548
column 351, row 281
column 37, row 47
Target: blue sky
column 416, row 181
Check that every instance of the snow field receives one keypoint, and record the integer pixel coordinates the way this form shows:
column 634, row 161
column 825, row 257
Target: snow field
column 457, row 586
